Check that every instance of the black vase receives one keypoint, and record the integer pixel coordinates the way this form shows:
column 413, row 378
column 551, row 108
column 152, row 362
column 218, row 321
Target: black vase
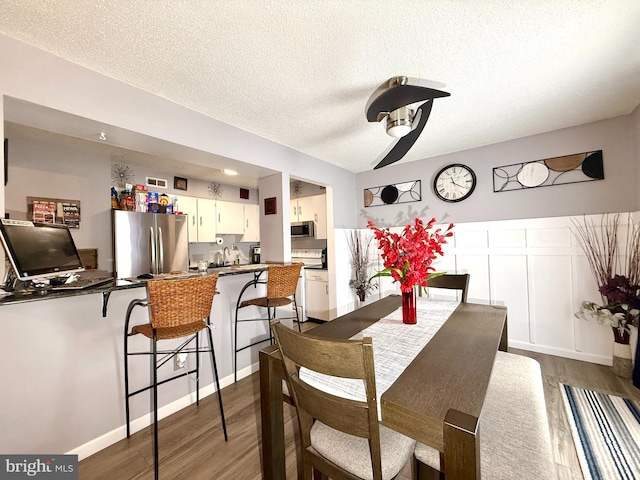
column 636, row 368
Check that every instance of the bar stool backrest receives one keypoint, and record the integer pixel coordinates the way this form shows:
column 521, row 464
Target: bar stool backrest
column 182, row 301
column 283, row 280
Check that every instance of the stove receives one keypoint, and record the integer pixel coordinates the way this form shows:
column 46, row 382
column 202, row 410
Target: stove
column 312, row 258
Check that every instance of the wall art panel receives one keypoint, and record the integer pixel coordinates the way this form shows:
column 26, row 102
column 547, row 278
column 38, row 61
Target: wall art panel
column 404, row 192
column 580, row 167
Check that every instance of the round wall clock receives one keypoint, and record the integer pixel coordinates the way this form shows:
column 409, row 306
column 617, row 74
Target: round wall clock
column 454, row 183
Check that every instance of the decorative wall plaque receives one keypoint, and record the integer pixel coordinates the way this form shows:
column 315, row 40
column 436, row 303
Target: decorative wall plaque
column 580, row 167
column 404, row 192
column 270, row 206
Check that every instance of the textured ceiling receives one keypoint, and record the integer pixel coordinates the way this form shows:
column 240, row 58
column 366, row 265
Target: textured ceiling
column 300, row 72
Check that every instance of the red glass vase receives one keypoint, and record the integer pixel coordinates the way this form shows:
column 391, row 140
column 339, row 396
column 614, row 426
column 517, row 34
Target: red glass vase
column 409, row 307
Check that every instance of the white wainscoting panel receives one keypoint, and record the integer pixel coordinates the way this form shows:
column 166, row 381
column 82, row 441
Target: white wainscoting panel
column 551, row 305
column 508, row 275
column 479, row 283
column 549, row 237
column 536, row 268
column 470, row 239
column 508, row 238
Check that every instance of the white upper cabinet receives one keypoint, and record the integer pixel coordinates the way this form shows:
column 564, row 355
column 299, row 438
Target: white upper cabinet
column 230, row 218
column 208, row 218
column 318, row 205
column 251, row 223
column 202, row 218
column 311, row 209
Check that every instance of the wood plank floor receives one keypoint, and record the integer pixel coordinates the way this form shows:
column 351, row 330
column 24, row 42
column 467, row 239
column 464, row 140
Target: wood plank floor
column 192, row 445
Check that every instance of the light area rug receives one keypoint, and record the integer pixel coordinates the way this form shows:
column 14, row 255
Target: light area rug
column 606, row 432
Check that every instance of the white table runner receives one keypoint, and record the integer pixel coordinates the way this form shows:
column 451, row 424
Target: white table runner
column 395, row 345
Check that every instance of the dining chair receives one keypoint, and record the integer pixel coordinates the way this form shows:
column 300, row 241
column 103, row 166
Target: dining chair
column 451, row 282
column 341, row 438
column 282, row 282
column 178, row 309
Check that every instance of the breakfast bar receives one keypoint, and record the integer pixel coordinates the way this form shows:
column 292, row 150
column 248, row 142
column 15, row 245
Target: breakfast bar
column 76, row 355
column 436, row 400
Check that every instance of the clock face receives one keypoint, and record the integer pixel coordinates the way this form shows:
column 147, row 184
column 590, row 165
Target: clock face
column 454, row 183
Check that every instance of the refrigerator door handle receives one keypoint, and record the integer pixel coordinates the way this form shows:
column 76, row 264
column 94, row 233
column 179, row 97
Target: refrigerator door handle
column 160, row 251
column 152, row 250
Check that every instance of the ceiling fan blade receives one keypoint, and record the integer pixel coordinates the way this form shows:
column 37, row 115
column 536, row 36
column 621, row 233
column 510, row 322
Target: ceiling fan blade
column 390, row 99
column 402, row 146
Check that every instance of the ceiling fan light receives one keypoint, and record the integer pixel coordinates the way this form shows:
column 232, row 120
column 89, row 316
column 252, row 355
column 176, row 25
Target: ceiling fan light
column 399, row 122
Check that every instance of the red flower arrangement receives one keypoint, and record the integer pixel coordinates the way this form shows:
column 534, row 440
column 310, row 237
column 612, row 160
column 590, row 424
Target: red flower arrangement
column 408, row 256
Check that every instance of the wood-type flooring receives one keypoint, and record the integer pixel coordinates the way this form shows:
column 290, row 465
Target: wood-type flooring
column 192, row 445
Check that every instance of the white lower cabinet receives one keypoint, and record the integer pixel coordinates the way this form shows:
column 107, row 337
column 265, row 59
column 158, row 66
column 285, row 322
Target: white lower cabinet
column 317, row 293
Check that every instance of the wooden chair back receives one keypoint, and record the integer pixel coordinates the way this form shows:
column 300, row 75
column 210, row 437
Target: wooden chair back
column 283, row 280
column 453, row 282
column 183, row 301
column 339, row 358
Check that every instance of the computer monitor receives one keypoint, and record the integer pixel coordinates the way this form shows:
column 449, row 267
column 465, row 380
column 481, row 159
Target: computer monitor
column 39, row 250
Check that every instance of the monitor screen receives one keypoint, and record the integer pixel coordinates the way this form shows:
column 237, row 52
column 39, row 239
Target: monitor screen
column 38, row 250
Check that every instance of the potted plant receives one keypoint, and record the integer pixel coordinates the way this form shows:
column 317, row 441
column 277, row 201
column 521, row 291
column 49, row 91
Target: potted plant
column 617, row 274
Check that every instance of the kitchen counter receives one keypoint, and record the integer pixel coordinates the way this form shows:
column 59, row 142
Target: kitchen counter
column 121, row 284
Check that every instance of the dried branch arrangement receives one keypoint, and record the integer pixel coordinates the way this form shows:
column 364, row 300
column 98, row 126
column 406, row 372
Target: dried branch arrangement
column 599, row 242
column 360, row 248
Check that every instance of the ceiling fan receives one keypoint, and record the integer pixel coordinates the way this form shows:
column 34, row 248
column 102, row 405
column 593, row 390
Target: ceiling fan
column 406, row 104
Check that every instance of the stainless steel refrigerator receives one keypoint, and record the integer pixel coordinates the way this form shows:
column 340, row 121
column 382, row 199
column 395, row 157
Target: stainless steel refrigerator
column 149, row 243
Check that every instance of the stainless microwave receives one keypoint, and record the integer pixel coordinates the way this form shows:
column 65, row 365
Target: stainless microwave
column 302, row 229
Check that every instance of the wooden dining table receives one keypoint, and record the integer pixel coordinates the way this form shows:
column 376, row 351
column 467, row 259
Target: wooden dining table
column 436, row 400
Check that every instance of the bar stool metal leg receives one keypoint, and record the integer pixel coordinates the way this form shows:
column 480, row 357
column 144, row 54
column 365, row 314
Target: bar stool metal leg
column 126, row 382
column 156, row 460
column 197, row 370
column 217, row 380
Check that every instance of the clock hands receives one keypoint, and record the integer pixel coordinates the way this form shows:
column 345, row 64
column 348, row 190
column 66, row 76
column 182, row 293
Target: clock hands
column 454, row 182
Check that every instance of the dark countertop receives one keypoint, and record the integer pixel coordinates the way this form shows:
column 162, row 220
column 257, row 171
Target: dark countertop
column 122, row 284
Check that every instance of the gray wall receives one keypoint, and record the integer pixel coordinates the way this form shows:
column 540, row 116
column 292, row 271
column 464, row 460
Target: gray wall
column 617, row 137
column 45, row 164
column 41, row 78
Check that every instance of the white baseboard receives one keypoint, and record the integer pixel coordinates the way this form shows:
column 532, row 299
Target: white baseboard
column 93, row 446
column 560, row 352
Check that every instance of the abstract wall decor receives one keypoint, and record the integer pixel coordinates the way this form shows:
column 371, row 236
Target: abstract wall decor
column 122, row 174
column 580, row 167
column 215, row 190
column 404, row 192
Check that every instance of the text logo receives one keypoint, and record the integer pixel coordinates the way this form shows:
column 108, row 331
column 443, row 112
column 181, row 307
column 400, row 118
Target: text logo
column 50, row 467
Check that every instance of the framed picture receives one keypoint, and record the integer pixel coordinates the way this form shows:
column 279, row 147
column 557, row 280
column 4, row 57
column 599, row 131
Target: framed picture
column 179, row 183
column 54, row 210
column 270, row 206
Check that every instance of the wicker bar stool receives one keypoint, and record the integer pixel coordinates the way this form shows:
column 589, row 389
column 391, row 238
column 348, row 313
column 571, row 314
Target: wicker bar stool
column 282, row 282
column 178, row 309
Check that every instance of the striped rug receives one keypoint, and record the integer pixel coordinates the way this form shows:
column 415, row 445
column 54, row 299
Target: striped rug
column 606, row 432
